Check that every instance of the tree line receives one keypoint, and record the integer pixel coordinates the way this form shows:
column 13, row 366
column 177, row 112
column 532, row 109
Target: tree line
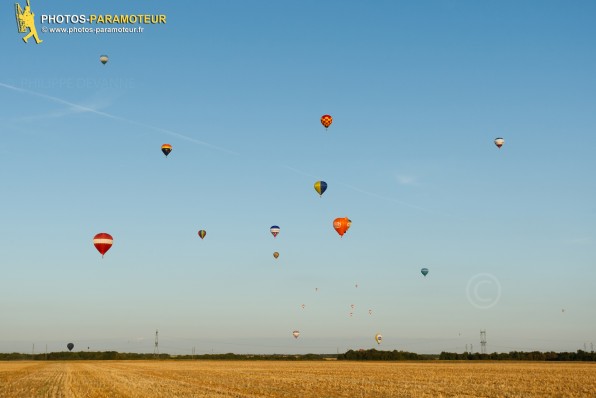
column 350, row 355
column 374, row 355
column 114, row 355
column 580, row 355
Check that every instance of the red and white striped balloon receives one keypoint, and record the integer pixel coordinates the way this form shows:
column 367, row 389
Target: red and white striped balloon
column 103, row 242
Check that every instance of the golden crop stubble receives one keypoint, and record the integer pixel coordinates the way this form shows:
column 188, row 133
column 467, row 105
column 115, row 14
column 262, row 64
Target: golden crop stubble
column 250, row 379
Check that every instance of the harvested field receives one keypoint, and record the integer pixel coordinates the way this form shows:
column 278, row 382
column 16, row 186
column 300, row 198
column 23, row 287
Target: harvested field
column 252, row 379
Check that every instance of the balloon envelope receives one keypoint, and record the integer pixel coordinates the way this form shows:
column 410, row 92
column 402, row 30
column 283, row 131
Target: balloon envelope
column 326, row 120
column 296, row 333
column 275, row 254
column 274, row 230
column 70, row 346
column 103, row 59
column 166, row 149
column 320, row 187
column 499, row 142
column 103, row 242
column 424, row 271
column 378, row 338
column 341, row 225
column 202, row 233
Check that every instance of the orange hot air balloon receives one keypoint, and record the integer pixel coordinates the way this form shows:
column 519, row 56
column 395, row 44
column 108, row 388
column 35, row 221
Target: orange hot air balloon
column 326, row 120
column 342, row 225
column 275, row 254
column 103, row 242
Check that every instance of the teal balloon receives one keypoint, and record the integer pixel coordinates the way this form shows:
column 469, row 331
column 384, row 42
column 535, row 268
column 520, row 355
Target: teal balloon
column 424, row 271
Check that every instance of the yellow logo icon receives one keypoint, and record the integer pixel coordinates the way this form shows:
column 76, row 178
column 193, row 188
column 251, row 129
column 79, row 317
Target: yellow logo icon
column 26, row 20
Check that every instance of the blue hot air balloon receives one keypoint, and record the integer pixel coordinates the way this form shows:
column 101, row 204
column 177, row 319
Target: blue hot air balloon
column 274, row 230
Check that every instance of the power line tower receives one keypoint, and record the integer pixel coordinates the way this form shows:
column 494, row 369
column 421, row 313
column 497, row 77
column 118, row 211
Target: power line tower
column 156, row 348
column 483, row 341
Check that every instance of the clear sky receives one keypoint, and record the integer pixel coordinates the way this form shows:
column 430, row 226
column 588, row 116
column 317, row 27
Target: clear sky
column 418, row 91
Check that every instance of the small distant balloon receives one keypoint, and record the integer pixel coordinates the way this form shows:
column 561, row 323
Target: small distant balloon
column 378, row 338
column 275, row 254
column 356, row 285
column 70, row 346
column 424, row 271
column 320, row 187
column 499, row 142
column 103, row 242
column 369, row 312
column 274, row 230
column 203, row 233
column 296, row 334
column 166, row 149
column 303, row 306
column 352, row 306
column 342, row 225
column 316, row 289
column 326, row 121
column 103, row 59
column 350, row 314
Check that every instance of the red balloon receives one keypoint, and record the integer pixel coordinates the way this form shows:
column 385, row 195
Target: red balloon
column 342, row 225
column 103, row 242
column 326, row 120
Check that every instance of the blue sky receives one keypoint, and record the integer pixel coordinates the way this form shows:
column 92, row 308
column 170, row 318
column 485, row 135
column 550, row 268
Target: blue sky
column 418, row 92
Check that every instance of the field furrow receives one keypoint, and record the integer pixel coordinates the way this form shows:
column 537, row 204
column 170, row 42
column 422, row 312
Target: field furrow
column 264, row 379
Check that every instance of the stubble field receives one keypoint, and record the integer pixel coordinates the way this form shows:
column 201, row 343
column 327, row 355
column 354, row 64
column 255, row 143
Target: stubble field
column 244, row 379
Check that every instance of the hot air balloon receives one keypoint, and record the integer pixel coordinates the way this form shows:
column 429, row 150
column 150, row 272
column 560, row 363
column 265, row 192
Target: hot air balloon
column 296, row 333
column 202, row 233
column 378, row 338
column 320, row 187
column 103, row 242
column 352, row 306
column 274, row 230
column 369, row 312
column 341, row 225
column 424, row 271
column 499, row 142
column 103, row 59
column 166, row 149
column 303, row 306
column 70, row 346
column 275, row 254
column 326, row 120
column 350, row 314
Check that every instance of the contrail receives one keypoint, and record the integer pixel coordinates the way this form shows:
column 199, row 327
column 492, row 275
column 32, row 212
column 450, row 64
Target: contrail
column 83, row 108
column 366, row 192
column 114, row 117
